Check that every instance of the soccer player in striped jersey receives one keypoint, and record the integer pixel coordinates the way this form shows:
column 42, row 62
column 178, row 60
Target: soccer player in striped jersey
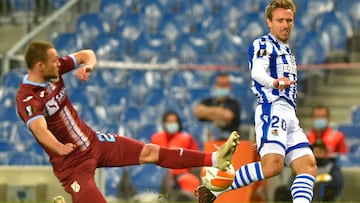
column 279, row 138
column 75, row 149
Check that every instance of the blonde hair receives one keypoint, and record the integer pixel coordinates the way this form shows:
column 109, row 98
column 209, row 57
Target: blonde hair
column 274, row 4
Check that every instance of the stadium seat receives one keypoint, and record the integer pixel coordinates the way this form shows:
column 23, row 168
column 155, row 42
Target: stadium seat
column 145, row 78
column 111, row 10
column 148, row 48
column 132, row 117
column 113, row 176
column 311, row 10
column 7, row 131
column 170, row 27
column 66, row 43
column 22, row 5
column 13, row 78
column 229, row 48
column 337, row 26
column 23, row 136
column 147, row 178
column 348, row 160
column 9, row 114
column 154, row 97
column 108, row 46
column 6, row 148
column 130, row 26
column 152, row 12
column 312, row 49
column 351, row 9
column 88, row 27
column 145, row 132
column 251, row 26
column 190, row 46
column 7, row 96
column 355, row 115
column 24, row 158
column 351, row 133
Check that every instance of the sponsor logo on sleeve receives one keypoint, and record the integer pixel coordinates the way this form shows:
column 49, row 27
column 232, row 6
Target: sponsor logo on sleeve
column 29, row 110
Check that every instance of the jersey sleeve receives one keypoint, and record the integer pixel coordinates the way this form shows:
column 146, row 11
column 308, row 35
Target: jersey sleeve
column 29, row 109
column 259, row 56
column 68, row 63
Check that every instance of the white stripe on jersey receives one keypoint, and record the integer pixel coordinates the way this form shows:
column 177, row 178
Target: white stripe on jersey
column 80, row 138
column 276, row 59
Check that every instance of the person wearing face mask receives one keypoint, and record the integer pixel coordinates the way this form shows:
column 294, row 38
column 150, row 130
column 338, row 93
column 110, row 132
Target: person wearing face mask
column 220, row 108
column 173, row 136
column 321, row 131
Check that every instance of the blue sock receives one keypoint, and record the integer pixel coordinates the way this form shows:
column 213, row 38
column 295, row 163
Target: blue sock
column 302, row 188
column 247, row 174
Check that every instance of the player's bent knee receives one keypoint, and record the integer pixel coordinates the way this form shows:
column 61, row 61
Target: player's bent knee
column 305, row 164
column 149, row 154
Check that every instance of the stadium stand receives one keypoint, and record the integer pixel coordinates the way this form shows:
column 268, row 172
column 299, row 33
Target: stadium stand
column 157, row 31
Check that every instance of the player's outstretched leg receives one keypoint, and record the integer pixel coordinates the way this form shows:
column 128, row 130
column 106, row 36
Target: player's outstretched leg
column 226, row 151
column 204, row 195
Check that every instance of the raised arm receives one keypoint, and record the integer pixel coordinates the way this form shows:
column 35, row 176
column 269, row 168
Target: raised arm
column 87, row 59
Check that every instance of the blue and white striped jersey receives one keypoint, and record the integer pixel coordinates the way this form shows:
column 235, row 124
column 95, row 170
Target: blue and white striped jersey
column 270, row 59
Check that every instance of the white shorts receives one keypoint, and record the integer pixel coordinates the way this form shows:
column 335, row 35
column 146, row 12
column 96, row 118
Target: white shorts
column 278, row 131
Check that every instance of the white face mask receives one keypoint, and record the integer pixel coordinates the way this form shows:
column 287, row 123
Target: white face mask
column 171, row 127
column 220, row 92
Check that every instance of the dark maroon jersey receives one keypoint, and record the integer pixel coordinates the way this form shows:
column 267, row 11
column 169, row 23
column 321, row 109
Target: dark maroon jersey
column 51, row 101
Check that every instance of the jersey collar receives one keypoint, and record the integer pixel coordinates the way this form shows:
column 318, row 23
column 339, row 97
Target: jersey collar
column 28, row 82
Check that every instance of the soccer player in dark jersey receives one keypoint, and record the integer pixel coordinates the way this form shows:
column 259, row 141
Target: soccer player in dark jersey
column 76, row 150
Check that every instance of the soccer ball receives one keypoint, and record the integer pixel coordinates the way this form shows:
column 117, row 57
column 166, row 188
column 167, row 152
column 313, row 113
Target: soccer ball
column 216, row 179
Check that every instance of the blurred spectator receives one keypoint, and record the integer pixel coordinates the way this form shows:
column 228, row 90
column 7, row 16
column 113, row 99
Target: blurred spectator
column 220, row 109
column 321, row 131
column 173, row 136
column 328, row 182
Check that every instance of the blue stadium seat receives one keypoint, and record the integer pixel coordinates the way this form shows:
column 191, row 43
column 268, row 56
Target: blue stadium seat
column 66, row 43
column 152, row 12
column 312, row 49
column 229, row 48
column 198, row 94
column 147, row 177
column 8, row 114
column 111, row 10
column 7, row 131
column 337, row 26
column 40, row 152
column 23, row 135
column 186, row 79
column 132, row 117
column 170, row 27
column 251, row 26
column 146, row 78
column 130, row 26
column 355, row 115
column 154, row 97
column 13, row 78
column 113, row 177
column 108, row 46
column 351, row 133
column 145, row 132
column 56, row 4
column 312, row 10
column 88, row 27
column 24, row 158
column 7, row 96
column 22, row 5
column 351, row 9
column 149, row 47
column 348, row 160
column 190, row 46
column 6, row 148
